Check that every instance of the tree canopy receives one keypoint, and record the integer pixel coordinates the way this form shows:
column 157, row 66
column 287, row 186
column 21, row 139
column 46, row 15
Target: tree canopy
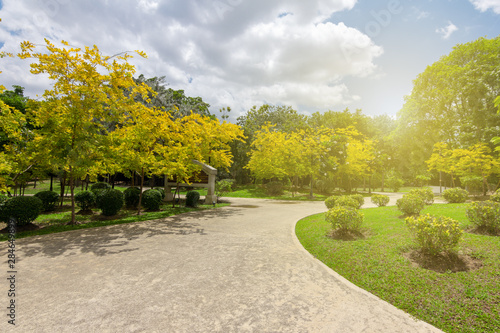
column 452, row 101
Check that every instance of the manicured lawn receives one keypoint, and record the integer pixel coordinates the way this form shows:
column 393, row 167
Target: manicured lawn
column 57, row 221
column 454, row 302
column 255, row 191
column 389, row 190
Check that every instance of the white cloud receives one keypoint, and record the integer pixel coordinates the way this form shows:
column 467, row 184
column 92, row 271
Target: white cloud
column 420, row 14
column 229, row 52
column 148, row 6
column 484, row 5
column 447, row 31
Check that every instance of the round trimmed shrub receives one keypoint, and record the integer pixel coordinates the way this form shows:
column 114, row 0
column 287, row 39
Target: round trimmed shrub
column 434, row 234
column 410, row 204
column 330, row 201
column 275, row 188
column 85, row 200
column 109, row 201
column 151, row 199
column 359, row 198
column 192, row 198
column 23, row 209
column 343, row 200
column 455, row 195
column 347, row 201
column 344, row 218
column 485, row 215
column 162, row 192
column 380, row 200
column 99, row 186
column 425, row 193
column 49, row 200
column 131, row 196
column 496, row 197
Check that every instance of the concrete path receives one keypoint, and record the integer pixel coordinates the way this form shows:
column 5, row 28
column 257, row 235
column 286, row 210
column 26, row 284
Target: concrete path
column 233, row 269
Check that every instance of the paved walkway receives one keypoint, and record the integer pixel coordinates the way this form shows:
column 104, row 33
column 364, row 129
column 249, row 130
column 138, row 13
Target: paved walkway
column 233, row 269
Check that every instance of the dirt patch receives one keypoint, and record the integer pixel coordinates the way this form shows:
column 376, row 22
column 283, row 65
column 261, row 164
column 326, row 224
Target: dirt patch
column 483, row 231
column 106, row 218
column 443, row 262
column 85, row 212
column 25, row 227
column 348, row 235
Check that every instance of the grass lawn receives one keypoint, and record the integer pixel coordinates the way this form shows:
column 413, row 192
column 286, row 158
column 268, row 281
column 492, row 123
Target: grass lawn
column 254, row 191
column 57, row 221
column 403, row 189
column 466, row 301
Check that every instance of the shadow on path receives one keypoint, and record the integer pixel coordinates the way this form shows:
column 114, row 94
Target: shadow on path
column 117, row 238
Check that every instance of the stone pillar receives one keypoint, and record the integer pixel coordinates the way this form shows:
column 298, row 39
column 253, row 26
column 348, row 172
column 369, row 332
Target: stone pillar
column 211, row 197
column 169, row 196
column 212, row 173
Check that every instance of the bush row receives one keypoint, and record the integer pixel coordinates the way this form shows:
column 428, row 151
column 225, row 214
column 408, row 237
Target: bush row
column 355, row 201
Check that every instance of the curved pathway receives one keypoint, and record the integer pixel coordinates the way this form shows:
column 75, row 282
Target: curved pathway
column 234, row 269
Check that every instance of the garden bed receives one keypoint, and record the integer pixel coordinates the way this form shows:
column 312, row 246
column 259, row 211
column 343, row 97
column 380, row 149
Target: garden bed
column 456, row 293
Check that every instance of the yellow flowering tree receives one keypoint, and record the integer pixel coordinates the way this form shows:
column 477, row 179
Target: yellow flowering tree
column 12, row 123
column 88, row 94
column 443, row 160
column 476, row 160
column 277, row 154
column 151, row 142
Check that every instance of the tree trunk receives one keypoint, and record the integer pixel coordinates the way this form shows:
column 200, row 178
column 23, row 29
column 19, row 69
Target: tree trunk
column 63, row 187
column 177, row 191
column 486, row 186
column 140, row 195
column 72, row 190
column 311, row 194
column 51, row 182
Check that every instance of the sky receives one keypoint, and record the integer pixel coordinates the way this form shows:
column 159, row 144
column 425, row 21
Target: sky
column 313, row 55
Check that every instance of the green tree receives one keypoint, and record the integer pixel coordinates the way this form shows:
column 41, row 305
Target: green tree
column 343, row 119
column 452, row 101
column 283, row 118
column 172, row 100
